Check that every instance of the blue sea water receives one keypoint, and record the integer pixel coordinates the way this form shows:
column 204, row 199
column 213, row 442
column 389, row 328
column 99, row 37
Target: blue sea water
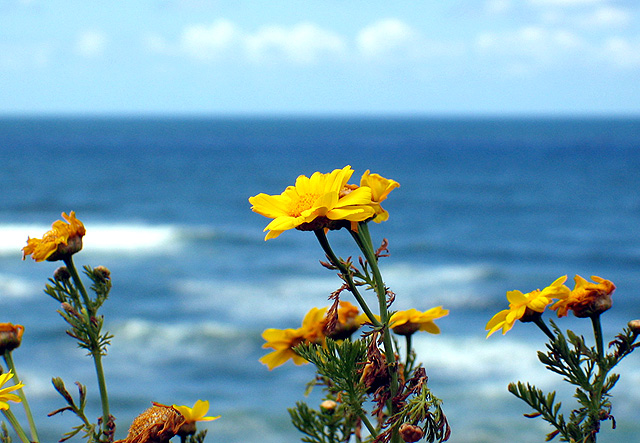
column 485, row 206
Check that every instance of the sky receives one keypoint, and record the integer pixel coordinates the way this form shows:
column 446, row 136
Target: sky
column 296, row 57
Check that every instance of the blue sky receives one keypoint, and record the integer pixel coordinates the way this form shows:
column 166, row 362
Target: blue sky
column 457, row 57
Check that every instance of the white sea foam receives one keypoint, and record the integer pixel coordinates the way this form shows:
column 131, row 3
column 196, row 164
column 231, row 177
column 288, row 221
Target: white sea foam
column 123, row 238
column 449, row 285
column 15, row 287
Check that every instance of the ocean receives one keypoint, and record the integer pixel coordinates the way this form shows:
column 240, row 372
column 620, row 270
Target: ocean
column 486, row 205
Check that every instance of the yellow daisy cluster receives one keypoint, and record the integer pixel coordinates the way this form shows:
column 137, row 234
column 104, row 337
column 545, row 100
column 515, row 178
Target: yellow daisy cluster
column 64, row 238
column 585, row 300
column 325, row 201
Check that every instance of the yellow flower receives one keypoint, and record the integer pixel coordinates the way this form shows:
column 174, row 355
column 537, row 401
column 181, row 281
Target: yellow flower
column 314, row 203
column 587, row 299
column 64, row 239
column 284, row 340
column 196, row 413
column 409, row 321
column 525, row 306
column 380, row 189
column 5, row 395
column 10, row 337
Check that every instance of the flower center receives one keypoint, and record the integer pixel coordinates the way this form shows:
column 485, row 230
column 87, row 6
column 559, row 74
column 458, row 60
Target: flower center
column 305, row 202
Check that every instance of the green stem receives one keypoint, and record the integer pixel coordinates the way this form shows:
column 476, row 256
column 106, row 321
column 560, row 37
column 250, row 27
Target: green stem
column 104, row 398
column 326, row 247
column 68, row 261
column 23, row 398
column 372, row 430
column 16, row 425
column 597, row 333
column 363, row 239
column 409, row 360
column 96, row 352
column 542, row 325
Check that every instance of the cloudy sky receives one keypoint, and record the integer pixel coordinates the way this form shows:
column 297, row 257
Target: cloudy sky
column 320, row 57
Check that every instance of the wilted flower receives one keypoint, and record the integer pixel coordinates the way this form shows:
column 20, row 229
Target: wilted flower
column 158, row 424
column 63, row 240
column 526, row 307
column 192, row 415
column 5, row 393
column 348, row 322
column 380, row 189
column 409, row 321
column 587, row 298
column 314, row 203
column 10, row 337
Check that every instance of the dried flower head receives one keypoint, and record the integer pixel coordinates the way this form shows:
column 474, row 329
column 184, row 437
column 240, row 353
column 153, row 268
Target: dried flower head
column 587, row 299
column 158, row 424
column 10, row 337
column 63, row 240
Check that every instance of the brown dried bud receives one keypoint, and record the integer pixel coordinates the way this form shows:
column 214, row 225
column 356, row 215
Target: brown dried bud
column 634, row 325
column 102, row 272
column 61, row 274
column 10, row 337
column 410, row 433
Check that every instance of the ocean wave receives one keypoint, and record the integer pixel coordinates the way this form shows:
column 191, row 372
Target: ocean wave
column 15, row 287
column 133, row 238
column 450, row 285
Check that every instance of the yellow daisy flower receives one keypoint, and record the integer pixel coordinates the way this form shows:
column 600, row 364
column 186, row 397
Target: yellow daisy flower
column 282, row 341
column 196, row 413
column 5, row 394
column 587, row 298
column 521, row 306
column 409, row 321
column 380, row 189
column 314, row 203
column 64, row 239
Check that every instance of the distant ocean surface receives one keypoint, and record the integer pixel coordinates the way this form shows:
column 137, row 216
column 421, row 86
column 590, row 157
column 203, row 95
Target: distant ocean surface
column 485, row 206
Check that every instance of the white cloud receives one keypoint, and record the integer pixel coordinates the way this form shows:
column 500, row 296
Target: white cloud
column 564, row 2
column 498, row 6
column 208, row 42
column 387, row 38
column 303, row 43
column 534, row 41
column 605, row 16
column 91, row 43
column 622, row 52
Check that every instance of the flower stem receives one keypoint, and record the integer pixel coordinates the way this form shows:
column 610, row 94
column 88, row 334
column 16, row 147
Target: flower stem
column 23, row 398
column 372, row 430
column 363, row 239
column 16, row 425
column 597, row 333
column 68, row 261
column 326, row 247
column 542, row 325
column 96, row 352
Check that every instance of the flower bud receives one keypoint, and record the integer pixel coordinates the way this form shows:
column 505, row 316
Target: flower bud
column 329, row 405
column 634, row 325
column 61, row 274
column 102, row 272
column 10, row 337
column 410, row 433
